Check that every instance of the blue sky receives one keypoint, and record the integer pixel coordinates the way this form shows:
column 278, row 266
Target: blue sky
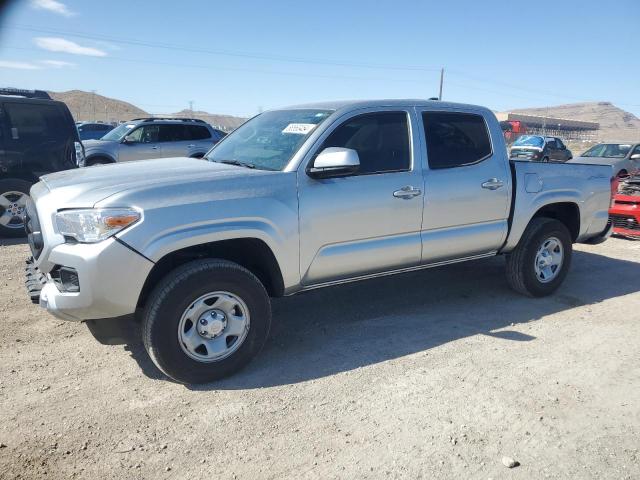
column 238, row 57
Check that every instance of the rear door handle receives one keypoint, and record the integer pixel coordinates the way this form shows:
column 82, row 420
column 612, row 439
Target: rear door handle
column 493, row 184
column 407, row 192
column 191, row 146
column 154, row 148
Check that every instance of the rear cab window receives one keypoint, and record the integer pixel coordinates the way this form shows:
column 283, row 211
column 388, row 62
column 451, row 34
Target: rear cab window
column 36, row 121
column 455, row 139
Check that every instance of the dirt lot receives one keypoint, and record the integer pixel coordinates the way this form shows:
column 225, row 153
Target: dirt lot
column 435, row 374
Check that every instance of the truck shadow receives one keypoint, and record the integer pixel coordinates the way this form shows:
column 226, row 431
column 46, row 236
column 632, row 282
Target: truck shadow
column 7, row 241
column 340, row 329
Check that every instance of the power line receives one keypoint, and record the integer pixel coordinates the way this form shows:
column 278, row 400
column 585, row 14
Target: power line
column 261, row 56
column 241, row 69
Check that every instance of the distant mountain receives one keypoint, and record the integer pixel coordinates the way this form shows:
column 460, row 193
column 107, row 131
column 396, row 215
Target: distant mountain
column 615, row 123
column 88, row 106
column 225, row 122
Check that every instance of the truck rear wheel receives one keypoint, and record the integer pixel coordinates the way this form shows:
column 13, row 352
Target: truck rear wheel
column 206, row 320
column 540, row 262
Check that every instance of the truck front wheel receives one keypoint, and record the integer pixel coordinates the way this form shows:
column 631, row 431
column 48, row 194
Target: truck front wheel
column 540, row 262
column 206, row 320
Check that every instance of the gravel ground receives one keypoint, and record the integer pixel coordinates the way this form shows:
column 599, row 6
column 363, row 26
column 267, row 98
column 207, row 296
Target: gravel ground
column 434, row 374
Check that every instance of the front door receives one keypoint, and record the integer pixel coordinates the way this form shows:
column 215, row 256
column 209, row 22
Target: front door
column 142, row 143
column 370, row 221
column 467, row 187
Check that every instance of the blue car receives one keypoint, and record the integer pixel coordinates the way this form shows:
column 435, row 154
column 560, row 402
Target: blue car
column 93, row 131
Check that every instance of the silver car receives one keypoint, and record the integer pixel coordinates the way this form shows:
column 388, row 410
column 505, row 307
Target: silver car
column 624, row 157
column 145, row 138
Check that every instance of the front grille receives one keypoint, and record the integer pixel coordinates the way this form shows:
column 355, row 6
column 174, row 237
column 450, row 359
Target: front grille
column 627, row 223
column 32, row 227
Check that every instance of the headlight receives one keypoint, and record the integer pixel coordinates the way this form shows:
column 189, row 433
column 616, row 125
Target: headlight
column 94, row 225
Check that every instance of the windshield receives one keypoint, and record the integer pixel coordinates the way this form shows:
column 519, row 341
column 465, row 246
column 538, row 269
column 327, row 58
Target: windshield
column 529, row 141
column 269, row 140
column 608, row 150
column 119, row 132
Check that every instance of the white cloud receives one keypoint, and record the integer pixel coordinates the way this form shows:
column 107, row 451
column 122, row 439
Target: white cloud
column 19, row 65
column 52, row 6
column 55, row 44
column 57, row 63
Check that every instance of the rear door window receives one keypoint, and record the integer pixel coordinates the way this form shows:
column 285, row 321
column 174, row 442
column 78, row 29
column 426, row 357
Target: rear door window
column 29, row 121
column 455, row 139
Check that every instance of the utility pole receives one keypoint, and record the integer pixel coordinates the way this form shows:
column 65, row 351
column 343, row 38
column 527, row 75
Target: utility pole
column 441, row 82
column 93, row 105
column 191, row 107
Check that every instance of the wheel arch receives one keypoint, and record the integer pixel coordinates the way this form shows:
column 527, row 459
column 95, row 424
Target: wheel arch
column 251, row 253
column 567, row 213
column 99, row 155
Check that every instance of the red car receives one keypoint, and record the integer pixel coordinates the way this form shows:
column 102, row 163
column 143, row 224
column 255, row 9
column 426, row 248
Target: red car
column 625, row 211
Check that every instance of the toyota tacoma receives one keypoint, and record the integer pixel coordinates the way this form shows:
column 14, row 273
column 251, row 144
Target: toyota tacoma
column 296, row 199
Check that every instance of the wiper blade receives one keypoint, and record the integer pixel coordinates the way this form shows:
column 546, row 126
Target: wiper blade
column 237, row 163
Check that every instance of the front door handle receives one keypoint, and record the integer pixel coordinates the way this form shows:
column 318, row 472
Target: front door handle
column 191, row 146
column 407, row 192
column 154, row 148
column 493, row 184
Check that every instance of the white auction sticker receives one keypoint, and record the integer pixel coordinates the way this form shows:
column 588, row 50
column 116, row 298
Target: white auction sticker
column 299, row 128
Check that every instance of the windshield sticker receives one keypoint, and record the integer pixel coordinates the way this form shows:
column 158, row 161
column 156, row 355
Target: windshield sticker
column 299, row 128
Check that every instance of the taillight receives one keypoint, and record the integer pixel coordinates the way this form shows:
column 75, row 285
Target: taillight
column 615, row 182
column 80, row 160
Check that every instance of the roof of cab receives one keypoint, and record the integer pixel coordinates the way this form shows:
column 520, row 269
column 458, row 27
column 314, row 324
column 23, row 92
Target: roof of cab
column 357, row 104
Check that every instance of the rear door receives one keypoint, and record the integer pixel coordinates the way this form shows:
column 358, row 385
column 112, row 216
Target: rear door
column 467, row 186
column 40, row 137
column 201, row 140
column 551, row 149
column 563, row 152
column 142, row 144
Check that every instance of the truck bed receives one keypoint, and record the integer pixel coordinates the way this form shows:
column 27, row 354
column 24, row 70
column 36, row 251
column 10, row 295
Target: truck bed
column 587, row 187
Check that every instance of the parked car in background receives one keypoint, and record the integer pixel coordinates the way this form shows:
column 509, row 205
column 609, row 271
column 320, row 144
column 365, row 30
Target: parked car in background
column 37, row 136
column 624, row 157
column 145, row 138
column 540, row 148
column 93, row 130
column 625, row 211
column 297, row 199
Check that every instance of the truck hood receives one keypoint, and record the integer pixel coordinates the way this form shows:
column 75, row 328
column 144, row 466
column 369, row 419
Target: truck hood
column 84, row 187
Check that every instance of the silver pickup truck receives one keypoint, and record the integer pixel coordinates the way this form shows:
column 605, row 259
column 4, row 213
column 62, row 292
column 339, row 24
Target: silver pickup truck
column 296, row 199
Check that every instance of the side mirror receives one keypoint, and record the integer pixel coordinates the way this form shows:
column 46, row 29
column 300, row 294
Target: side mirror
column 335, row 162
column 128, row 140
column 635, row 156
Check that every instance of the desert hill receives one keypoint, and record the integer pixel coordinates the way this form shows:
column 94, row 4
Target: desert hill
column 615, row 123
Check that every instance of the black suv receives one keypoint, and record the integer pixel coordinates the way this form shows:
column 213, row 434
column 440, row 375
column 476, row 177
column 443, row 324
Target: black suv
column 37, row 136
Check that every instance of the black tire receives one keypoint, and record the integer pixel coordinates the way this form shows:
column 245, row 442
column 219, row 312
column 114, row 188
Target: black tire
column 16, row 230
column 521, row 273
column 173, row 296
